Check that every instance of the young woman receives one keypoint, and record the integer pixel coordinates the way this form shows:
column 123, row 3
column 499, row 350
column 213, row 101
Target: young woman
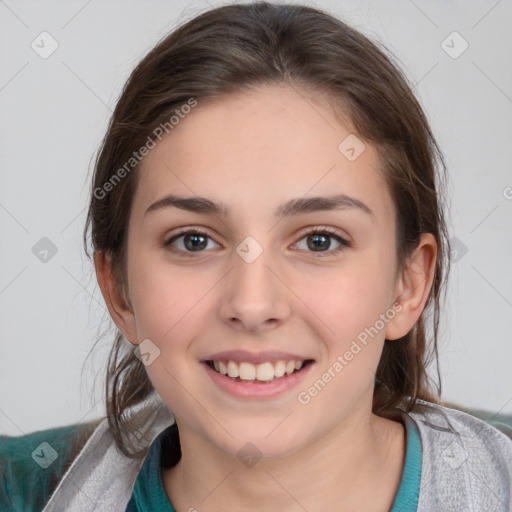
column 268, row 236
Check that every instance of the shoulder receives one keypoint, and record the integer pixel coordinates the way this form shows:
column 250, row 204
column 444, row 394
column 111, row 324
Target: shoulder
column 500, row 421
column 466, row 462
column 32, row 465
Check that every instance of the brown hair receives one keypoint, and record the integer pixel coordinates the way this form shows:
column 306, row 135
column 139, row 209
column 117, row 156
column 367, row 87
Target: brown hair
column 225, row 50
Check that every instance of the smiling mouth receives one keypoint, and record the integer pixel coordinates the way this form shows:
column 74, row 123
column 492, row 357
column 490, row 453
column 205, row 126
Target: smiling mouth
column 258, row 373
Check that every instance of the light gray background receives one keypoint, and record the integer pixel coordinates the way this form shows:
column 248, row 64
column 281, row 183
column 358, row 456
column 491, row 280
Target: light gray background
column 54, row 113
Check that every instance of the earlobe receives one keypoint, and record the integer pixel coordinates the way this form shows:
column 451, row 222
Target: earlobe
column 413, row 287
column 118, row 307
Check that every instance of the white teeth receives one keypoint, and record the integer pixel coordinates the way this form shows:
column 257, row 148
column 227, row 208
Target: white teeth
column 223, row 368
column 263, row 372
column 280, row 368
column 247, row 371
column 232, row 369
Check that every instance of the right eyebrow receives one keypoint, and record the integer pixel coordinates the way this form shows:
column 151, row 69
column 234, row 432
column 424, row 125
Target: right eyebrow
column 191, row 204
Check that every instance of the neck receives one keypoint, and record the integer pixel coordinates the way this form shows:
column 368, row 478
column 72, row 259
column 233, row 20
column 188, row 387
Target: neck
column 333, row 473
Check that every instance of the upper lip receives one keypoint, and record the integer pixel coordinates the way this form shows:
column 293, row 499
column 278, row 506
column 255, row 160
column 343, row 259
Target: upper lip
column 254, row 357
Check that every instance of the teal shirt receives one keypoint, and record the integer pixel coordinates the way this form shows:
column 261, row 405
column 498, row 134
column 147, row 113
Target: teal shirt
column 406, row 498
column 32, row 465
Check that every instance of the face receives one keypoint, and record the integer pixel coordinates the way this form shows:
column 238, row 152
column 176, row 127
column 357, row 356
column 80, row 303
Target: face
column 265, row 276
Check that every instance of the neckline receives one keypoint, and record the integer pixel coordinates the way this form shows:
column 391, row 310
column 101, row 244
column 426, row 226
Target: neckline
column 149, row 492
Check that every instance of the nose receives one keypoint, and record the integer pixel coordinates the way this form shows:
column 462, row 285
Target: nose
column 254, row 296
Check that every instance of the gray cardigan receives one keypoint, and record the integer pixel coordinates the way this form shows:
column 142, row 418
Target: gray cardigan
column 466, row 463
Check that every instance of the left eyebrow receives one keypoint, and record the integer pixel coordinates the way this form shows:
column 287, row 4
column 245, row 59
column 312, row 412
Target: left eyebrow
column 321, row 203
column 292, row 207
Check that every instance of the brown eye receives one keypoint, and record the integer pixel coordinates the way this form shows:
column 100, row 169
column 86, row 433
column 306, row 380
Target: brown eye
column 321, row 241
column 191, row 241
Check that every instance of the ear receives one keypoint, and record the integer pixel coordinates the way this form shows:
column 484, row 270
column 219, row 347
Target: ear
column 413, row 287
column 118, row 307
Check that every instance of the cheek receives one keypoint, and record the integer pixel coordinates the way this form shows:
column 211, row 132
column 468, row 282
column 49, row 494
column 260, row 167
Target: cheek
column 164, row 301
column 168, row 311
column 347, row 300
column 348, row 317
column 351, row 307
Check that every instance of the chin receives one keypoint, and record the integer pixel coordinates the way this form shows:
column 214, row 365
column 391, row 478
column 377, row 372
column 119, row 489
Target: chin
column 253, row 444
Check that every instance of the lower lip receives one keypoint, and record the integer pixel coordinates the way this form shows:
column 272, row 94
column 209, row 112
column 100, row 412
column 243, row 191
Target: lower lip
column 255, row 390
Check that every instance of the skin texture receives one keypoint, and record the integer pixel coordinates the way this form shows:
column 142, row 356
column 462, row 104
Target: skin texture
column 253, row 152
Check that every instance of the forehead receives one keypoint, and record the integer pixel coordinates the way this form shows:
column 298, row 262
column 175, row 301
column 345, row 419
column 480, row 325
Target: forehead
column 276, row 139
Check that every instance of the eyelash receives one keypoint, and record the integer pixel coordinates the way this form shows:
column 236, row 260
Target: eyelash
column 314, row 231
